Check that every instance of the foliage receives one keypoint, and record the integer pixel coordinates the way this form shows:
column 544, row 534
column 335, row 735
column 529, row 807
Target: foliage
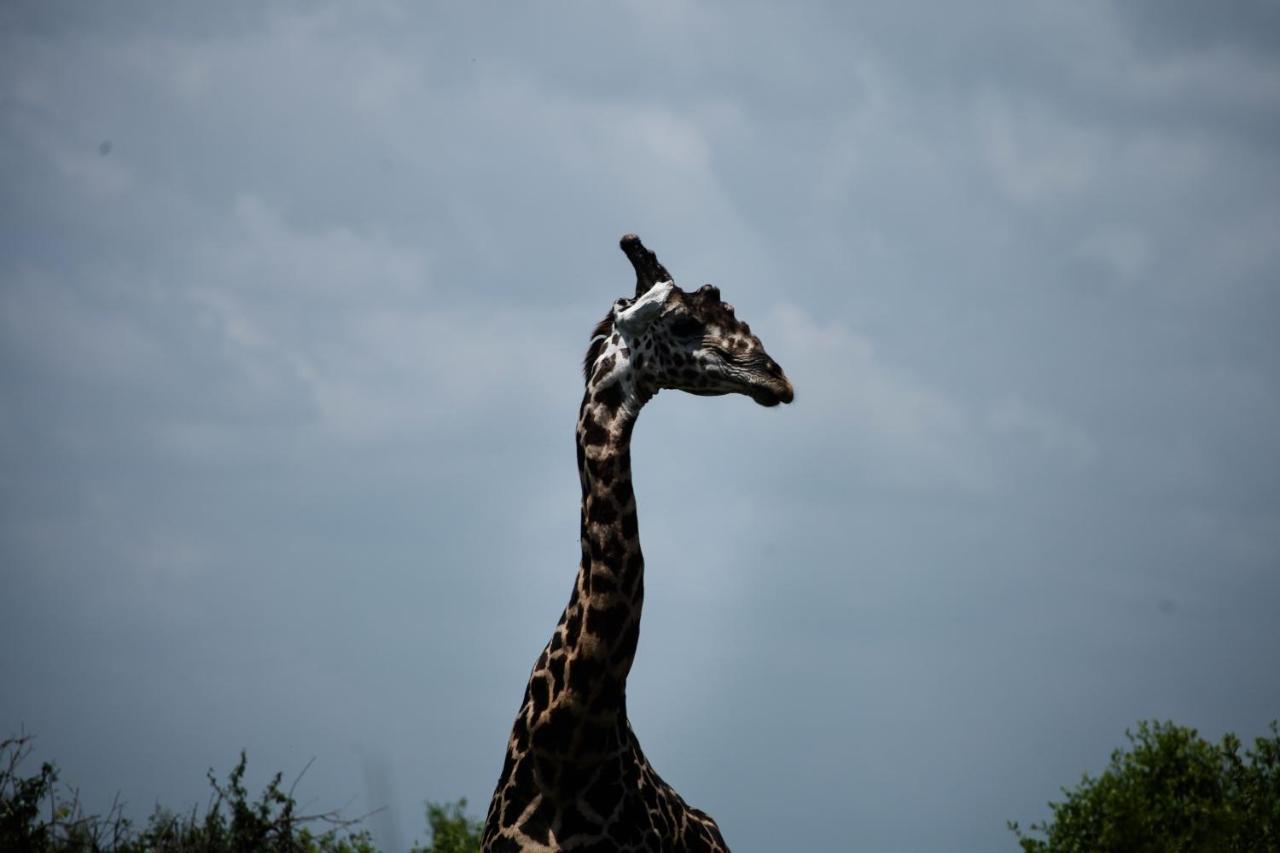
column 451, row 830
column 38, row 816
column 233, row 822
column 1170, row 792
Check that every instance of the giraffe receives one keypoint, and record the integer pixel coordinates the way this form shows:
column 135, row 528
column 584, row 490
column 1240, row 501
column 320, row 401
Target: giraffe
column 575, row 777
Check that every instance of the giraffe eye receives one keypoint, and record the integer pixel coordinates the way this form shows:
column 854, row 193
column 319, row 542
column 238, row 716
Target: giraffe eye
column 686, row 327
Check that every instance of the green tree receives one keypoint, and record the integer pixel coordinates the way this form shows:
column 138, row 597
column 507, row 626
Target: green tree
column 1171, row 791
column 451, row 830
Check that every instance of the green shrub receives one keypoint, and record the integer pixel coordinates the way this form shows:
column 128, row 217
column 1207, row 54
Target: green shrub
column 39, row 817
column 1171, row 791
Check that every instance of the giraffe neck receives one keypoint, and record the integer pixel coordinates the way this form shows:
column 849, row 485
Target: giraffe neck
column 575, row 776
column 609, row 590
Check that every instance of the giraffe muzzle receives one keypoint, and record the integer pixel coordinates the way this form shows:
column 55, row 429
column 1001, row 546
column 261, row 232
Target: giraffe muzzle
column 773, row 391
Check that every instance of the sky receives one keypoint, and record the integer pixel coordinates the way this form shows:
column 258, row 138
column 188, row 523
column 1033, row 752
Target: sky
column 293, row 299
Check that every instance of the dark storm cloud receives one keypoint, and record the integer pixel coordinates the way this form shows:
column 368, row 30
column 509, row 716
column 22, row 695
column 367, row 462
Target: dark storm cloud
column 1185, row 26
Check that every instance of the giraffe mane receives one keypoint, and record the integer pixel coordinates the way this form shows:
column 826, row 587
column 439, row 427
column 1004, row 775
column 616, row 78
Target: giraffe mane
column 598, row 337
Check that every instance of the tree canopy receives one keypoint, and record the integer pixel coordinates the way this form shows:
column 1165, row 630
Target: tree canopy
column 1170, row 791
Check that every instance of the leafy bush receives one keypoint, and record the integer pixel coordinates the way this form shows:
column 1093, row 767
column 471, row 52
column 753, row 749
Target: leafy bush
column 451, row 830
column 36, row 816
column 1170, row 792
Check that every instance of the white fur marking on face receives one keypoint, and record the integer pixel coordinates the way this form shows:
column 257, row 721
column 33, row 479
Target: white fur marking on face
column 644, row 310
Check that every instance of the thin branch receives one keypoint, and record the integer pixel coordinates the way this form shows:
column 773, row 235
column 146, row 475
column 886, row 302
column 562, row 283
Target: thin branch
column 301, row 773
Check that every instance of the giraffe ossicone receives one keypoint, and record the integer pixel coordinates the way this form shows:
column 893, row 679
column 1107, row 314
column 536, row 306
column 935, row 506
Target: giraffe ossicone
column 575, row 777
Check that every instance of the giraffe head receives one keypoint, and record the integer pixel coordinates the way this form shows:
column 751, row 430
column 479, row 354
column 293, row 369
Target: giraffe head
column 665, row 337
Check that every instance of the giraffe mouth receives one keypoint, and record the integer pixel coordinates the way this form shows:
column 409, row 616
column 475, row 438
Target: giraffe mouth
column 772, row 392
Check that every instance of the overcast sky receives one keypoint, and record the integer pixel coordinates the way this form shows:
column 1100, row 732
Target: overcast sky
column 292, row 305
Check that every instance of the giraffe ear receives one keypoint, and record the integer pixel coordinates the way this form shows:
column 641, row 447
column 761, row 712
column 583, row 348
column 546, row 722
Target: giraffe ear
column 648, row 271
column 635, row 317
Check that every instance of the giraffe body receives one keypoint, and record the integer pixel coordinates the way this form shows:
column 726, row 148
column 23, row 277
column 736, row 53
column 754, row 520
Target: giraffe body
column 575, row 777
